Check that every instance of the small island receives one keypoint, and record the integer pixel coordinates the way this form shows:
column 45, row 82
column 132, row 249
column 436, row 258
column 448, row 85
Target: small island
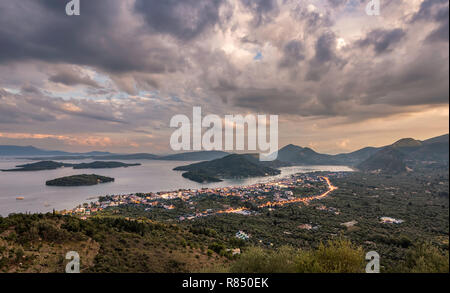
column 79, row 180
column 44, row 165
column 200, row 177
column 103, row 165
column 50, row 165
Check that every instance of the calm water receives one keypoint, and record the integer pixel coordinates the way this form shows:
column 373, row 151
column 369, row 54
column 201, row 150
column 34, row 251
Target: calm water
column 151, row 176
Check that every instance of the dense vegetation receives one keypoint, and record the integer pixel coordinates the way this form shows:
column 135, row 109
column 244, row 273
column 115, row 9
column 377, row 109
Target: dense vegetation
column 419, row 199
column 336, row 256
column 79, row 180
column 39, row 166
column 200, row 177
column 38, row 243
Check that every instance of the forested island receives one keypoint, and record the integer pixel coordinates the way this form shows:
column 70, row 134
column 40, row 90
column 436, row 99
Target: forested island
column 232, row 166
column 200, row 177
column 51, row 165
column 79, row 180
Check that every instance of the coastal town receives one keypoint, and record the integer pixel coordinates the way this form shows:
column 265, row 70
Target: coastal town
column 270, row 194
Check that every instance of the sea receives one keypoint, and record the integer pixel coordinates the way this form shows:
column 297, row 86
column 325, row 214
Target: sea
column 26, row 192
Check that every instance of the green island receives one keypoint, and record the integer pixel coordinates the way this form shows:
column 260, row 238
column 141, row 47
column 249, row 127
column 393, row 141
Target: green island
column 51, row 165
column 103, row 165
column 231, row 166
column 200, row 177
column 79, row 180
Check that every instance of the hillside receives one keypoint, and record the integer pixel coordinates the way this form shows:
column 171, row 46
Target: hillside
column 387, row 160
column 409, row 152
column 356, row 157
column 12, row 150
column 441, row 139
column 415, row 151
column 38, row 243
column 407, row 143
column 231, row 166
column 304, row 156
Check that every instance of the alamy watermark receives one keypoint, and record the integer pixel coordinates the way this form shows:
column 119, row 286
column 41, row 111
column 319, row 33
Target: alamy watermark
column 373, row 8
column 73, row 7
column 73, row 266
column 373, row 266
column 220, row 135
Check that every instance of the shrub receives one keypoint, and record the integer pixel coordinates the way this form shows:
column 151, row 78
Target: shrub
column 338, row 256
column 426, row 258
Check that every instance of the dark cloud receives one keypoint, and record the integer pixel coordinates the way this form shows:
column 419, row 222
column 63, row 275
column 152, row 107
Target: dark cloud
column 15, row 110
column 428, row 10
column 40, row 30
column 263, row 10
column 434, row 11
column 382, row 40
column 325, row 47
column 293, row 53
column 314, row 20
column 325, row 56
column 441, row 33
column 275, row 101
column 184, row 19
column 154, row 59
column 72, row 78
column 337, row 3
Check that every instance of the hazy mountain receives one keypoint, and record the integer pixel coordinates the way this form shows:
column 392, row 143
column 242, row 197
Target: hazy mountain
column 409, row 152
column 437, row 139
column 387, row 160
column 195, row 156
column 190, row 156
column 430, row 150
column 125, row 157
column 433, row 150
column 356, row 157
column 304, row 156
column 407, row 143
column 14, row 150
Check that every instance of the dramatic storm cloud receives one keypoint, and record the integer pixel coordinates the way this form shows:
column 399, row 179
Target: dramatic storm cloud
column 113, row 77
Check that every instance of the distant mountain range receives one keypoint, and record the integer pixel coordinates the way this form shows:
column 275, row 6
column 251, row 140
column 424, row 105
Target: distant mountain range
column 406, row 152
column 12, row 150
column 36, row 154
column 391, row 158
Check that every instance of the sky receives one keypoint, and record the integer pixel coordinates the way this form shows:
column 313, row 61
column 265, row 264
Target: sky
column 112, row 78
